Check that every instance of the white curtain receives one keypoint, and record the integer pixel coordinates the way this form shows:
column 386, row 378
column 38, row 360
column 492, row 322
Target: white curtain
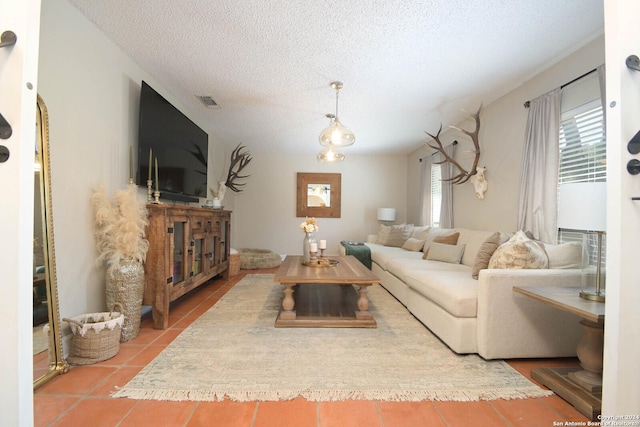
column 425, row 190
column 537, row 207
column 446, row 208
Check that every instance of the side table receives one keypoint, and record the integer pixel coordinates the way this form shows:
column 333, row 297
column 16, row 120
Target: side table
column 580, row 387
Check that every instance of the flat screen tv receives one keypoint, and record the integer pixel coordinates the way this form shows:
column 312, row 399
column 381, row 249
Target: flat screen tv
column 180, row 146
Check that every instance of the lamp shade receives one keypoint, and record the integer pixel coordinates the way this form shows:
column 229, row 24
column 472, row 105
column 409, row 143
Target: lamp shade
column 583, row 206
column 386, row 214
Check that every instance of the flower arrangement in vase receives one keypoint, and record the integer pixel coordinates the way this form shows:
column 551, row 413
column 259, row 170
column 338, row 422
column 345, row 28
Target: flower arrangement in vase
column 120, row 239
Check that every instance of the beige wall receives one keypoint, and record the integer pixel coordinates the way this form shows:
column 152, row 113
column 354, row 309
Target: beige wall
column 501, row 141
column 91, row 90
column 265, row 213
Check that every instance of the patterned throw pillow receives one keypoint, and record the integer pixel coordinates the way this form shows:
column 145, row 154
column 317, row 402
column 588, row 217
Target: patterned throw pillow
column 394, row 235
column 450, row 239
column 519, row 252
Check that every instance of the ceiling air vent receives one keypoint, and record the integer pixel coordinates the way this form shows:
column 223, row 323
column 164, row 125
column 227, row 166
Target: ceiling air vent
column 208, row 102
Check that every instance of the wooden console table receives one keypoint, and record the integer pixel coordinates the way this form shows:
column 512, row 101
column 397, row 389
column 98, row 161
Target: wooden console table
column 580, row 387
column 187, row 247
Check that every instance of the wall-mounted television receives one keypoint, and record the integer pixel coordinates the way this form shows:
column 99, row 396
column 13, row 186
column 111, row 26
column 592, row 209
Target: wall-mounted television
column 180, row 146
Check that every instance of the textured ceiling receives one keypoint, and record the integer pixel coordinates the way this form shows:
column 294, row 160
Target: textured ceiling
column 407, row 65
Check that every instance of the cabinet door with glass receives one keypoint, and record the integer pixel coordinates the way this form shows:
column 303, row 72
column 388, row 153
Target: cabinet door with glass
column 197, row 247
column 178, row 244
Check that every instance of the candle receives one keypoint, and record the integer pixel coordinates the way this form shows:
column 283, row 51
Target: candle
column 130, row 162
column 313, row 247
column 149, row 178
column 156, row 174
column 323, row 244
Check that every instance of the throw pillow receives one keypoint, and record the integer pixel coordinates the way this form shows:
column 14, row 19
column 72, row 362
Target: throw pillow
column 519, row 252
column 565, row 255
column 420, row 232
column 446, row 253
column 450, row 239
column 413, row 245
column 396, row 235
column 484, row 253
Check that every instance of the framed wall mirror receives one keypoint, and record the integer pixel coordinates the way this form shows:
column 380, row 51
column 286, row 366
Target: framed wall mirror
column 319, row 195
column 47, row 334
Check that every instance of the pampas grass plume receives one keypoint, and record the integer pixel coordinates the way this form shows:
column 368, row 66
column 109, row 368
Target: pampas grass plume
column 120, row 226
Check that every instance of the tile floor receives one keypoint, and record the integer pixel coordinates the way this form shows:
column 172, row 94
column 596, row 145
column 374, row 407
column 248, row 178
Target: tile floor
column 81, row 397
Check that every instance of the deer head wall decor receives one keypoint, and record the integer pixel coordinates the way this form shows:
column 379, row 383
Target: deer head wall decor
column 239, row 160
column 462, row 174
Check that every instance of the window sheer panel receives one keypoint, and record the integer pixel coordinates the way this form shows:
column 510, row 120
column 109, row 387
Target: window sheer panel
column 436, row 194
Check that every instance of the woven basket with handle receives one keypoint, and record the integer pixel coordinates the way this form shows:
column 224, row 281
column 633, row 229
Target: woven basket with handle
column 96, row 336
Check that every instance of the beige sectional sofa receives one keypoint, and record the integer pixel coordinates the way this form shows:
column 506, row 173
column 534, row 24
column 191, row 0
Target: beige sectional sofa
column 482, row 315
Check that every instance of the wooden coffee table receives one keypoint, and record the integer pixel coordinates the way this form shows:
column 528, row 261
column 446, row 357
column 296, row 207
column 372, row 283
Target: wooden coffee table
column 324, row 297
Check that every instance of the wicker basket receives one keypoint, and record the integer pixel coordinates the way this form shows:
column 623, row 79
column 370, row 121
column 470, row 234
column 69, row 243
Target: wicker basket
column 234, row 263
column 96, row 336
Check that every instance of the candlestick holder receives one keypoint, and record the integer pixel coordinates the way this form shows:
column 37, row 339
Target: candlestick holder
column 156, row 195
column 149, row 182
column 321, row 253
column 314, row 257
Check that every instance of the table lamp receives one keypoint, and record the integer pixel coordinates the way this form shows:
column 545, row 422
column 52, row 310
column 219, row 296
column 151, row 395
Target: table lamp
column 582, row 206
column 386, row 215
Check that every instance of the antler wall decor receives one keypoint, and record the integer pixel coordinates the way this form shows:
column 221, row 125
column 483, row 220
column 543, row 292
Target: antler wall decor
column 463, row 175
column 239, row 160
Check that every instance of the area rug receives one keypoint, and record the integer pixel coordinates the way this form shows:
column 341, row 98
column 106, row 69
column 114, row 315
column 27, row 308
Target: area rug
column 234, row 351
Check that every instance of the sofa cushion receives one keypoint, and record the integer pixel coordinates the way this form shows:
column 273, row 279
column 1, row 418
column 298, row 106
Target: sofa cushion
column 449, row 239
column 473, row 239
column 394, row 235
column 420, row 232
column 454, row 290
column 445, row 252
column 400, row 266
column 413, row 244
column 565, row 255
column 382, row 255
column 519, row 252
column 483, row 256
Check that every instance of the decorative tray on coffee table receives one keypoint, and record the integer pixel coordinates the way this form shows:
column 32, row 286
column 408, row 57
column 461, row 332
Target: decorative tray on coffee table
column 321, row 262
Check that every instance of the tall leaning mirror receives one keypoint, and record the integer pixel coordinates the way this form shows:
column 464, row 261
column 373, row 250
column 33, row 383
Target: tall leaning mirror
column 48, row 360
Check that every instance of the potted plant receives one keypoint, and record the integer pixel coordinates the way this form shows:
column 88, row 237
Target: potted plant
column 120, row 236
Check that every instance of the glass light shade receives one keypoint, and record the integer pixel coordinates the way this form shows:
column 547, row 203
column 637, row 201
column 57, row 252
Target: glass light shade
column 337, row 134
column 329, row 155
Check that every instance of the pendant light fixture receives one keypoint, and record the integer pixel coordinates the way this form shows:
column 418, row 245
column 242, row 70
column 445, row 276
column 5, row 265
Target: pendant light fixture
column 328, row 156
column 336, row 134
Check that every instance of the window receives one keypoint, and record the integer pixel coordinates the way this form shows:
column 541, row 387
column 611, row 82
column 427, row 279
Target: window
column 582, row 145
column 582, row 151
column 436, row 194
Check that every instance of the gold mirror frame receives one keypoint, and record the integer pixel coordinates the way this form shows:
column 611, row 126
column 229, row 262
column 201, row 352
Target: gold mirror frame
column 57, row 364
column 333, row 180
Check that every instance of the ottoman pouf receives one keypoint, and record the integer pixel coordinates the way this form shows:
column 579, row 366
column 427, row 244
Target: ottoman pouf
column 253, row 259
